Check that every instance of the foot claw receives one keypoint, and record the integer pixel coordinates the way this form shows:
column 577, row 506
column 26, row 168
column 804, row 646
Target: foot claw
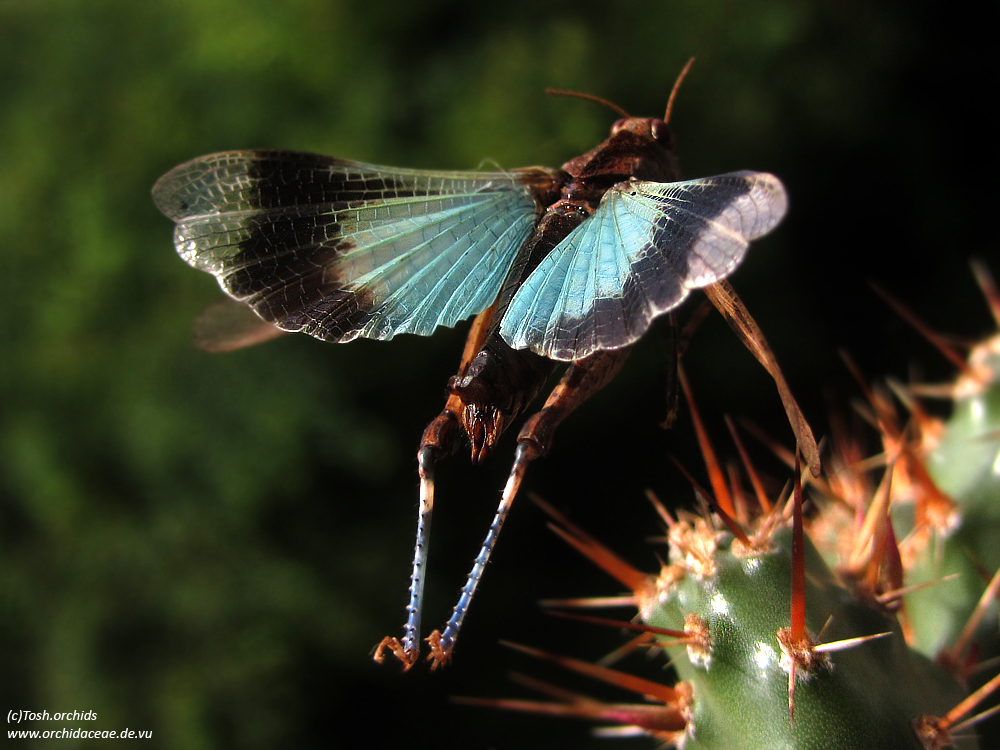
column 440, row 655
column 408, row 657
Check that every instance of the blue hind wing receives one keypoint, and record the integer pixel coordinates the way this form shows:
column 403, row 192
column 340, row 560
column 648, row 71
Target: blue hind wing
column 640, row 254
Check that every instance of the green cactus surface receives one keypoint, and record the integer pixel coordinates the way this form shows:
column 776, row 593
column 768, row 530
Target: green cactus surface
column 865, row 695
column 964, row 463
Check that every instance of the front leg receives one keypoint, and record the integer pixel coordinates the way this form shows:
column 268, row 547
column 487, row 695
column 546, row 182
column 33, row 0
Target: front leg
column 583, row 379
column 439, row 439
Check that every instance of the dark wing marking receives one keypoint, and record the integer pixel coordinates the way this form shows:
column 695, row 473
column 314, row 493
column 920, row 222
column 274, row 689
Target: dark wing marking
column 339, row 249
column 647, row 245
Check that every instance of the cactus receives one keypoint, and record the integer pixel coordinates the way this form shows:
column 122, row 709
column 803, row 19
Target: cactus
column 842, row 637
column 961, row 460
column 866, row 694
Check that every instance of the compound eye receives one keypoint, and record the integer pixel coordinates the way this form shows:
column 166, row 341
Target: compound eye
column 661, row 133
column 619, row 124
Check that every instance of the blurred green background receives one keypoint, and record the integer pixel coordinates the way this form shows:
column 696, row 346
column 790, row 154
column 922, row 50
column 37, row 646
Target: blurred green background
column 209, row 546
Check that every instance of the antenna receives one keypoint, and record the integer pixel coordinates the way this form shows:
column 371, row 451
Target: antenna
column 589, row 98
column 677, row 85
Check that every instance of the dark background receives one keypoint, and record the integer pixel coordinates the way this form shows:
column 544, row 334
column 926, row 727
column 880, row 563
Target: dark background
column 209, row 546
